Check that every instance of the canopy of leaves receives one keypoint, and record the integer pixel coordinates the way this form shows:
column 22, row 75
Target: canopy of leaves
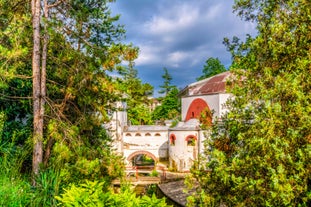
column 97, row 194
column 84, row 42
column 212, row 67
column 260, row 154
column 136, row 96
column 169, row 108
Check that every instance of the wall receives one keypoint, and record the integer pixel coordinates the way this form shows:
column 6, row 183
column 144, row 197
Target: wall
column 181, row 156
column 223, row 98
column 211, row 100
column 153, row 142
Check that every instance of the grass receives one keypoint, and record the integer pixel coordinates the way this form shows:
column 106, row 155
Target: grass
column 16, row 189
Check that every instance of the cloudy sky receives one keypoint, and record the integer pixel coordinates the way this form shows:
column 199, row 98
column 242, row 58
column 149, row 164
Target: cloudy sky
column 179, row 35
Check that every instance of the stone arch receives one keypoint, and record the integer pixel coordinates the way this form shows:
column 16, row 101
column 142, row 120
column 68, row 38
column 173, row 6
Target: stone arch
column 195, row 108
column 131, row 156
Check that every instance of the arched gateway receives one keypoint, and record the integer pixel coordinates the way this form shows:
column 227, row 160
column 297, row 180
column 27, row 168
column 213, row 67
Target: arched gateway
column 142, row 152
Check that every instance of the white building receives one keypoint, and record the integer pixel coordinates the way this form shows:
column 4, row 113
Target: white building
column 181, row 144
column 186, row 139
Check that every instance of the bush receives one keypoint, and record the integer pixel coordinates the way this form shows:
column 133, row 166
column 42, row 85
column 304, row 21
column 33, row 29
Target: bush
column 154, row 173
column 96, row 194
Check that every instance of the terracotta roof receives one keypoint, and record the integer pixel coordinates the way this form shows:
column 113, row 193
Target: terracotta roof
column 215, row 84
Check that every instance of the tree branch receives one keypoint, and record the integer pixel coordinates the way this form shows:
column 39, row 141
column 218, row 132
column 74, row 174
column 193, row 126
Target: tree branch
column 55, row 4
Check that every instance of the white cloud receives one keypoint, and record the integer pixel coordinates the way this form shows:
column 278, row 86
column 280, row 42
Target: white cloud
column 175, row 58
column 148, row 54
column 178, row 18
column 213, row 12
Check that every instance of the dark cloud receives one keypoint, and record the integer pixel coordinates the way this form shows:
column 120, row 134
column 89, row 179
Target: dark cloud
column 179, row 35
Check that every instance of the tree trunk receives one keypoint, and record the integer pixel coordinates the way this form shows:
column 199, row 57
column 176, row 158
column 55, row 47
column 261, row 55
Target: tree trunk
column 43, row 68
column 37, row 96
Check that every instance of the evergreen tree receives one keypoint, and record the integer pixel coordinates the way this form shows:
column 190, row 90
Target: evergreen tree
column 169, row 108
column 260, row 154
column 166, row 87
column 137, row 96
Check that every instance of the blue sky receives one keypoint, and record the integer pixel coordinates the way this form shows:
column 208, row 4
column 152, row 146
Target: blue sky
column 179, row 35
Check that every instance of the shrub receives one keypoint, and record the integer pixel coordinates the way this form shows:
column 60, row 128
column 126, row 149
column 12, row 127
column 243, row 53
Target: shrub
column 97, row 195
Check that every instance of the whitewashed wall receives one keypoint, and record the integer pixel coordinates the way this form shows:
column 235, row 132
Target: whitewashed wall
column 157, row 145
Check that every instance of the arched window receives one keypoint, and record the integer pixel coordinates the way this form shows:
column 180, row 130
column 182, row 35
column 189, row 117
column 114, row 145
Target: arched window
column 138, row 135
column 147, row 134
column 191, row 139
column 128, row 134
column 157, row 135
column 195, row 109
column 172, row 139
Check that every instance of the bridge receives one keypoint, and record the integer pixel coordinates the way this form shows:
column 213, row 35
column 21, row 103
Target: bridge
column 143, row 175
column 148, row 140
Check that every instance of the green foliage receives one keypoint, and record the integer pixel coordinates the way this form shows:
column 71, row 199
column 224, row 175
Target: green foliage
column 139, row 115
column 80, row 160
column 97, row 194
column 151, row 189
column 137, row 97
column 212, row 67
column 260, row 154
column 206, row 118
column 84, row 43
column 169, row 108
column 170, row 103
column 166, row 87
column 82, row 47
column 48, row 184
column 14, row 191
column 154, row 173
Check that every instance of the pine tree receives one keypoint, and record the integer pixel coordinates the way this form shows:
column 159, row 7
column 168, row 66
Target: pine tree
column 166, row 87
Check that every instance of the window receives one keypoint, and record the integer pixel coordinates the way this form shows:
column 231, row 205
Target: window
column 191, row 140
column 128, row 134
column 157, row 135
column 172, row 139
column 147, row 134
column 138, row 135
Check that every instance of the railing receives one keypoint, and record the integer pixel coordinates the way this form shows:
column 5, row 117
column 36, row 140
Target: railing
column 146, row 169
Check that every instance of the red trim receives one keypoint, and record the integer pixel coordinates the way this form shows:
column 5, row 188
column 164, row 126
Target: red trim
column 172, row 139
column 195, row 109
column 191, row 137
column 131, row 156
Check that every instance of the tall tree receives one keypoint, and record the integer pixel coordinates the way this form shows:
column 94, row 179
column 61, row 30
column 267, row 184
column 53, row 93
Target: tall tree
column 260, row 153
column 137, row 96
column 212, row 67
column 166, row 87
column 74, row 43
column 169, row 108
column 38, row 84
